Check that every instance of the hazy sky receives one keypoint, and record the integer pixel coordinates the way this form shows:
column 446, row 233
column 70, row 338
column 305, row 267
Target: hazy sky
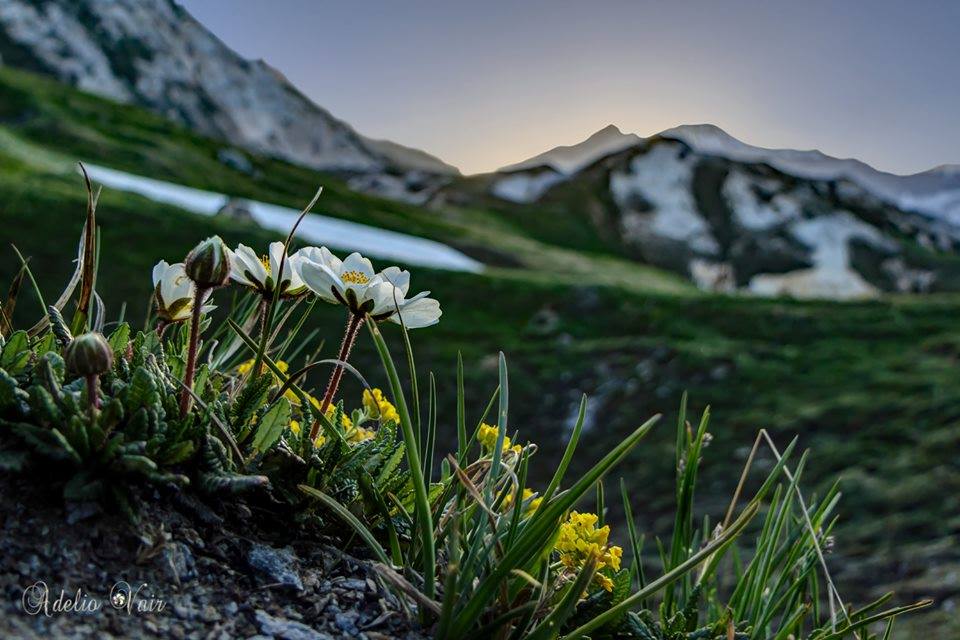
column 485, row 84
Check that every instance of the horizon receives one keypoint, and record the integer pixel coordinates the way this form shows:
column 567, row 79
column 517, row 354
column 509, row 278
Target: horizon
column 482, row 88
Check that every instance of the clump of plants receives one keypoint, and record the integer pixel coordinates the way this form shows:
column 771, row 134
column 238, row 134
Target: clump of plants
column 204, row 400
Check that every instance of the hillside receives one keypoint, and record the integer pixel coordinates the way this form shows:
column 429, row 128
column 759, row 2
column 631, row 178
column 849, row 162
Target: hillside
column 725, row 224
column 869, row 386
column 178, row 69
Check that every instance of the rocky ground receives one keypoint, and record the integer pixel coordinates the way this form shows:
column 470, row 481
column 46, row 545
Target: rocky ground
column 230, row 569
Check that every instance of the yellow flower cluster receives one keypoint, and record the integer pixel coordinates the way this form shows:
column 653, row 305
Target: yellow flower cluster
column 345, row 420
column 580, row 539
column 245, row 367
column 358, row 434
column 487, row 437
column 529, row 507
column 379, row 407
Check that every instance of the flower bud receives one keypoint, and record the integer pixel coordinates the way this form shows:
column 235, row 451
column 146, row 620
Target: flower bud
column 89, row 354
column 208, row 264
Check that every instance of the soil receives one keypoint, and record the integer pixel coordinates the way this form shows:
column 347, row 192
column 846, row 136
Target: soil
column 190, row 568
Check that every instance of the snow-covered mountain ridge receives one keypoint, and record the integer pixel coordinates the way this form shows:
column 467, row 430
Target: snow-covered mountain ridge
column 734, row 217
column 935, row 192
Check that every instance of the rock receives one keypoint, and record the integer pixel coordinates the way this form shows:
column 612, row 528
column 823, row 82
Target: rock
column 178, row 562
column 347, row 623
column 235, row 159
column 237, row 209
column 274, row 566
column 286, row 629
column 77, row 511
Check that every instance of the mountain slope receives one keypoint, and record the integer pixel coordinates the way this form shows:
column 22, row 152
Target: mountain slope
column 713, row 210
column 935, row 192
column 572, row 158
column 153, row 53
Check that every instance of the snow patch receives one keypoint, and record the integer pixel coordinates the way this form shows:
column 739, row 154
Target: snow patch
column 662, row 177
column 342, row 234
column 828, row 237
column 526, row 187
column 750, row 211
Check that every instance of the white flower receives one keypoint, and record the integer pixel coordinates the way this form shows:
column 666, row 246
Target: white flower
column 416, row 312
column 250, row 270
column 174, row 292
column 353, row 283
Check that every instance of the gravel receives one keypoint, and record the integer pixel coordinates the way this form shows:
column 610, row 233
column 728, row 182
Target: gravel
column 218, row 570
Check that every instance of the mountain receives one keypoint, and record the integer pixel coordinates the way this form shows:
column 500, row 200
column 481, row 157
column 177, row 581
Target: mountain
column 570, row 159
column 154, row 54
column 729, row 216
column 935, row 192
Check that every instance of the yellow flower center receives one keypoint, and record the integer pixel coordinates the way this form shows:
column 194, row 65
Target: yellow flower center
column 265, row 261
column 354, row 277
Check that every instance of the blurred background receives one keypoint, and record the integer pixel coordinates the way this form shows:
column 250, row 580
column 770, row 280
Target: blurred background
column 696, row 244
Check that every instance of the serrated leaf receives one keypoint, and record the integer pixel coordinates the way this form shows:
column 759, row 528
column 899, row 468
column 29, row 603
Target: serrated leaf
column 16, row 352
column 142, row 390
column 46, row 344
column 11, row 395
column 119, row 339
column 271, row 425
column 250, row 398
column 137, row 464
column 177, row 453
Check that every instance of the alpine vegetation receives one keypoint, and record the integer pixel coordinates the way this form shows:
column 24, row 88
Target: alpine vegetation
column 206, row 400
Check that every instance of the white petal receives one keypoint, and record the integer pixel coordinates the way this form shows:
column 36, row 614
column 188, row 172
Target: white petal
column 250, row 264
column 400, row 278
column 320, row 279
column 276, row 255
column 419, row 313
column 175, row 285
column 293, row 272
column 322, row 255
column 356, row 262
column 386, row 298
column 158, row 270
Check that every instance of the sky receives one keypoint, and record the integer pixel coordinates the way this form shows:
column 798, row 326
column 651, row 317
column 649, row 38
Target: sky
column 485, row 84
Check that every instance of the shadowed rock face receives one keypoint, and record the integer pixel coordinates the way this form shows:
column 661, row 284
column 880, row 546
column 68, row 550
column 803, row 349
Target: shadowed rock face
column 153, row 53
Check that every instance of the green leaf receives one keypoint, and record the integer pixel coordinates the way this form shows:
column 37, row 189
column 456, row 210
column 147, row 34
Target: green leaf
column 119, row 339
column 45, row 344
column 16, row 352
column 250, row 398
column 272, row 425
column 11, row 395
column 142, row 391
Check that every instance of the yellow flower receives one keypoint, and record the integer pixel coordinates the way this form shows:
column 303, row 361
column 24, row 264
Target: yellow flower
column 379, row 407
column 487, row 436
column 603, row 581
column 319, row 441
column 245, row 367
column 295, row 427
column 345, row 420
column 359, row 434
column 529, row 507
column 580, row 539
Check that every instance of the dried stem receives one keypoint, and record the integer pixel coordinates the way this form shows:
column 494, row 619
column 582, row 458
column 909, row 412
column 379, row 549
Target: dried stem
column 349, row 337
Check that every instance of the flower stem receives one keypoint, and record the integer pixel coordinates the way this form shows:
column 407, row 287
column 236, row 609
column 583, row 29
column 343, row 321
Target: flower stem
column 185, row 399
column 349, row 337
column 93, row 397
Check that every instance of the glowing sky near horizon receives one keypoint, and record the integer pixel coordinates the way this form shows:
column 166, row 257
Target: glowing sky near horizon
column 482, row 85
